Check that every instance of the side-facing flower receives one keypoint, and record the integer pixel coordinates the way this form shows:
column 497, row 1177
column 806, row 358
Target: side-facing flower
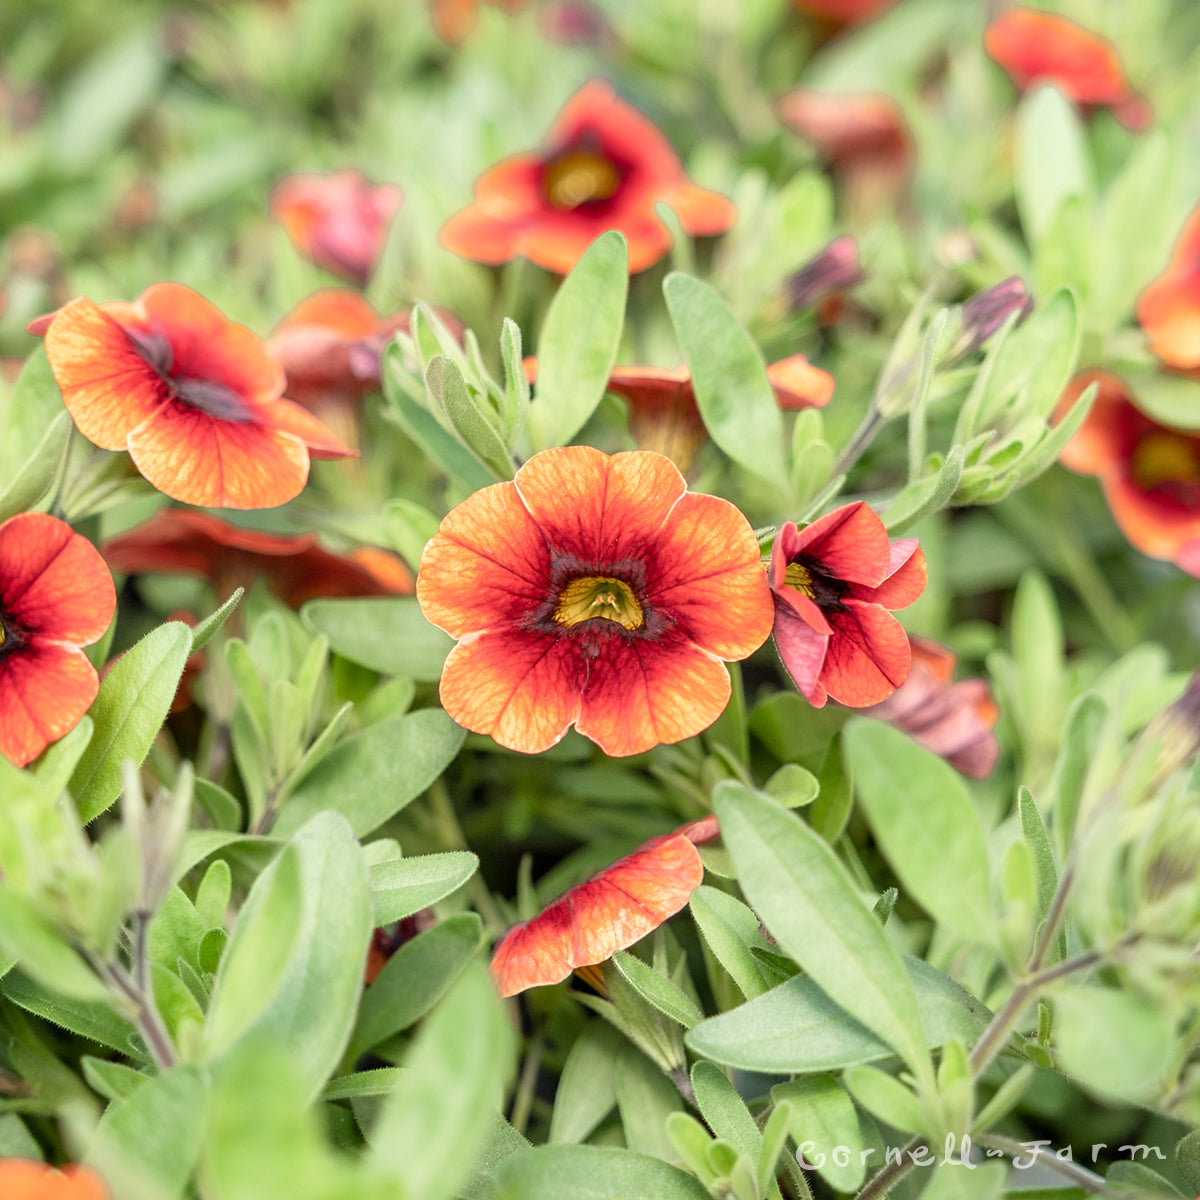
column 954, row 719
column 25, row 1179
column 843, row 12
column 1150, row 473
column 195, row 398
column 834, row 582
column 1040, row 47
column 593, row 591
column 177, row 541
column 1168, row 310
column 604, row 166
column 55, row 595
column 615, row 908
column 339, row 221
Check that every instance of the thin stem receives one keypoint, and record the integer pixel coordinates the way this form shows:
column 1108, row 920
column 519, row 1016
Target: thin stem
column 859, row 441
column 145, row 1013
column 526, row 1085
column 450, row 831
column 892, row 1171
column 1081, row 1176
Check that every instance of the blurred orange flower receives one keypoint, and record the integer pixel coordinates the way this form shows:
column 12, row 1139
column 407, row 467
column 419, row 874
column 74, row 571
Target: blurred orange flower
column 1168, row 309
column 193, row 397
column 843, row 12
column 24, row 1179
column 454, row 20
column 593, row 591
column 1150, row 473
column 834, row 582
column 1040, row 47
column 177, row 541
column 55, row 595
column 339, row 221
column 953, row 719
column 604, row 166
column 612, row 910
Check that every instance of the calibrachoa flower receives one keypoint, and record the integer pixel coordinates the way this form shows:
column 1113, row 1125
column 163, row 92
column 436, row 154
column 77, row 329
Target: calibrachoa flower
column 596, row 592
column 1150, row 473
column 953, row 719
column 615, row 908
column 195, row 399
column 453, row 20
column 55, row 595
column 338, row 221
column 24, row 1179
column 1168, row 310
column 834, row 582
column 604, row 166
column 843, row 12
column 178, row 541
column 1040, row 47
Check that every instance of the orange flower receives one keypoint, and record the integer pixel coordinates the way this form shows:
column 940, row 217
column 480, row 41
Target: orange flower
column 454, row 20
column 1040, row 47
column 609, row 912
column 338, row 221
column 605, row 166
column 1150, row 473
column 24, row 1179
column 194, row 398
column 1168, row 310
column 178, row 541
column 596, row 592
column 55, row 595
column 834, row 582
column 954, row 720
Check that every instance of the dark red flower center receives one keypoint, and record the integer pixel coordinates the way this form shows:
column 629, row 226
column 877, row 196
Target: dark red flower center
column 1168, row 462
column 579, row 176
column 12, row 638
column 208, row 395
column 824, row 589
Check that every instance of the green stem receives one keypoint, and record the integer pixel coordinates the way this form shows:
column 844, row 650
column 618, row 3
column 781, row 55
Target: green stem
column 445, row 821
column 859, row 441
column 1080, row 1176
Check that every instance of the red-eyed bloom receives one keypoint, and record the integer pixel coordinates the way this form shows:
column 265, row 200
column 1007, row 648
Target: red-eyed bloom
column 1168, row 310
column 195, row 399
column 24, row 1179
column 593, row 591
column 55, row 595
column 604, row 166
column 338, row 221
column 1150, row 473
column 834, row 582
column 615, row 908
column 178, row 541
column 1040, row 47
column 952, row 718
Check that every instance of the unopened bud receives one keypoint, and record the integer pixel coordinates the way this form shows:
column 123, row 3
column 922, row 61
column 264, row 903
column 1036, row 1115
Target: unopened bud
column 833, row 270
column 986, row 312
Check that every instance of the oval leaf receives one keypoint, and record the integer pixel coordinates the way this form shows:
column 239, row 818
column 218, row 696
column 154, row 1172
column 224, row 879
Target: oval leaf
column 389, row 636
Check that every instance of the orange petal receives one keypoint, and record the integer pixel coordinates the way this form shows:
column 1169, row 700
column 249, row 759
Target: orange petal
column 44, row 689
column 907, row 576
column 523, row 689
column 286, row 417
column 641, row 693
column 801, row 648
column 798, row 384
column 1155, row 524
column 1168, row 310
column 707, row 573
column 108, row 387
column 701, row 213
column 487, row 567
column 1106, row 437
column 340, row 310
column 850, row 543
column 867, row 658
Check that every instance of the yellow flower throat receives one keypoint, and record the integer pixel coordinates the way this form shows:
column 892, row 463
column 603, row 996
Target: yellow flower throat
column 592, row 596
column 578, row 177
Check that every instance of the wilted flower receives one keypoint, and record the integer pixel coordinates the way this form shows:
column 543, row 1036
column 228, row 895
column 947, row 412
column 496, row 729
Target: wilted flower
column 596, row 592
column 1041, row 47
column 604, row 166
column 55, row 595
column 339, row 221
column 615, row 908
column 195, row 399
column 833, row 584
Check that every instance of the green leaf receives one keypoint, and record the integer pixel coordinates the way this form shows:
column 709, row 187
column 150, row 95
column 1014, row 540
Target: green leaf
column 1085, row 720
column 377, row 1082
column 114, row 1081
column 465, row 412
column 657, row 990
column 921, row 813
column 294, row 963
column 95, row 1021
column 885, row 1097
column 390, row 636
column 38, row 477
column 1187, row 1159
column 414, row 979
column 797, row 886
column 57, row 764
column 797, row 1029
column 516, row 385
column 1052, row 159
column 202, row 634
column 729, row 377
column 43, row 951
column 134, row 699
column 403, row 886
column 371, row 776
column 646, row 1100
column 730, row 928
column 587, row 1086
column 924, row 496
column 578, row 340
column 1033, row 830
column 33, row 405
column 1168, row 399
column 822, row 1121
column 723, row 1110
column 443, row 1108
column 593, row 1173
column 982, row 1181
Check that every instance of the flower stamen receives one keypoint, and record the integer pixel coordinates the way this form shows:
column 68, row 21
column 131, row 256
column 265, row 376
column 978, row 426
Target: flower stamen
column 590, row 596
column 1165, row 457
column 797, row 576
column 579, row 177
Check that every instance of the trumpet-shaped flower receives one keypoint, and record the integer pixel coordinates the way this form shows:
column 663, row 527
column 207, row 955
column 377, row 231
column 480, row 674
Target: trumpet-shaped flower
column 195, row 399
column 612, row 910
column 593, row 591
column 604, row 166
column 55, row 595
column 834, row 582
